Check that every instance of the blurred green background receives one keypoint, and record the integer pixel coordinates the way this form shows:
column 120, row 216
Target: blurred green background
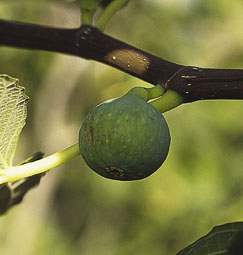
column 75, row 211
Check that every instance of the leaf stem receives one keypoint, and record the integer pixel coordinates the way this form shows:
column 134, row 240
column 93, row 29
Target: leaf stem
column 19, row 172
column 109, row 11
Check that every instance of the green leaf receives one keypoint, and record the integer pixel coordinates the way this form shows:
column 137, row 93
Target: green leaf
column 36, row 156
column 13, row 113
column 13, row 193
column 225, row 239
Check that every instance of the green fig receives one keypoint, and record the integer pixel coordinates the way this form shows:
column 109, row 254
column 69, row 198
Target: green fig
column 124, row 139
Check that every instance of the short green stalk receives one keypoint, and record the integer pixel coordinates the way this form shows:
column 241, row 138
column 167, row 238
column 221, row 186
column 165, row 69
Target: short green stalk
column 147, row 93
column 156, row 91
column 139, row 92
column 168, row 101
column 109, row 11
column 162, row 100
column 87, row 17
column 15, row 173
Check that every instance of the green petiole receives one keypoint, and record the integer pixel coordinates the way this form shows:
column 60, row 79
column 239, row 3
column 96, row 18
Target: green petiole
column 15, row 173
column 109, row 11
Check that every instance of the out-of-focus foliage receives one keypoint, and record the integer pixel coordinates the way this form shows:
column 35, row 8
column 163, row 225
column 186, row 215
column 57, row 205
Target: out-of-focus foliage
column 75, row 211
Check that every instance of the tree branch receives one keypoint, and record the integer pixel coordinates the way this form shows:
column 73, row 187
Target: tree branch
column 195, row 83
column 87, row 42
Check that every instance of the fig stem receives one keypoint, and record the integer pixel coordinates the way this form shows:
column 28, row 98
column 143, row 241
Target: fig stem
column 168, row 101
column 109, row 11
column 140, row 92
column 15, row 173
column 147, row 93
column 156, row 91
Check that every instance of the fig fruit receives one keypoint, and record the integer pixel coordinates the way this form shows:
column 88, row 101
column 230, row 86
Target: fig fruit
column 124, row 139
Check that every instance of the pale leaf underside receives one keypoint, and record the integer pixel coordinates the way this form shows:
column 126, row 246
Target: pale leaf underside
column 13, row 112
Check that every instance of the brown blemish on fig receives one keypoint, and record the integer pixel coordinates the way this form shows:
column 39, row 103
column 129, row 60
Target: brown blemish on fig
column 115, row 171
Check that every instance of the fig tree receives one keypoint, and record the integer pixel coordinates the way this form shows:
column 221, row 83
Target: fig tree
column 124, row 139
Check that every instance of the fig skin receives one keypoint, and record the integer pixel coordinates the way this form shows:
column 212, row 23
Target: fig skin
column 124, row 139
